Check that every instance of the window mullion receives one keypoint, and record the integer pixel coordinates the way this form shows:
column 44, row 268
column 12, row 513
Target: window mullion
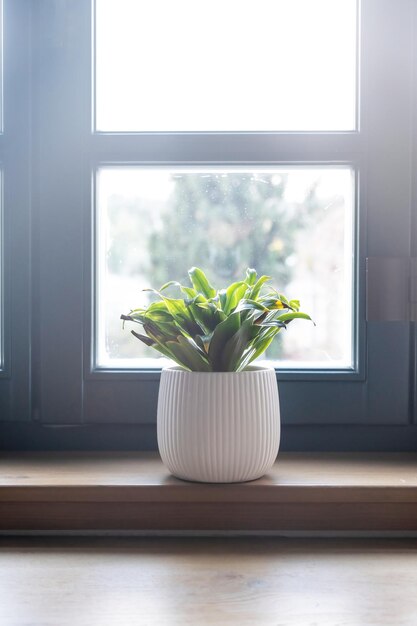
column 227, row 147
column 15, row 153
column 61, row 113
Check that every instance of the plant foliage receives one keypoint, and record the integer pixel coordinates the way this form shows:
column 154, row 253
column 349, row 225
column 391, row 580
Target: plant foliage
column 206, row 330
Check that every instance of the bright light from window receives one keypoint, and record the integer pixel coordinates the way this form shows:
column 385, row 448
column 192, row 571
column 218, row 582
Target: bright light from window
column 225, row 65
column 294, row 224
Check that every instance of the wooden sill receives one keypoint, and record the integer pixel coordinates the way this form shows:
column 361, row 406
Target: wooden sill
column 133, row 491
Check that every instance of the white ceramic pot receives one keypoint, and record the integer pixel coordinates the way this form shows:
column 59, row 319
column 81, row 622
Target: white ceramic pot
column 218, row 427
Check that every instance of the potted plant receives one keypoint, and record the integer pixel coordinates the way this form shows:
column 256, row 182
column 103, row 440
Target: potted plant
column 218, row 415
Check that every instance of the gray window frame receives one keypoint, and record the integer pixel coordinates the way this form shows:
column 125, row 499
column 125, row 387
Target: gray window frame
column 15, row 244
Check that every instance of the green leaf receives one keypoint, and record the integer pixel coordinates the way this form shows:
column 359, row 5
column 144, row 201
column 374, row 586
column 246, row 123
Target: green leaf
column 200, row 282
column 166, row 352
column 160, row 332
column 152, row 290
column 259, row 348
column 200, row 343
column 251, row 276
column 158, row 316
column 221, row 335
column 183, row 316
column 196, row 356
column 283, row 300
column 162, row 346
column 189, row 292
column 177, row 308
column 272, row 324
column 233, row 295
column 288, row 317
column 169, row 284
column 254, row 293
column 223, row 299
column 251, row 305
column 274, row 303
column 188, row 355
column 146, row 340
column 205, row 313
column 157, row 306
column 157, row 312
column 237, row 345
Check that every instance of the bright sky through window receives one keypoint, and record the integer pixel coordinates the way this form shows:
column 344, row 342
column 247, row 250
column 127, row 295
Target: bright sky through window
column 225, row 65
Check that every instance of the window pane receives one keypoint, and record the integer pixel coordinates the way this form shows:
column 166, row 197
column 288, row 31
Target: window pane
column 294, row 224
column 235, row 65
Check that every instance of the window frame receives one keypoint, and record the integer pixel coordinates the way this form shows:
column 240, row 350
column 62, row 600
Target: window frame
column 356, row 372
column 15, row 235
column 64, row 387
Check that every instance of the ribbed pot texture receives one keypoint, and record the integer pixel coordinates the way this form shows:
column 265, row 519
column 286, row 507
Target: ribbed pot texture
column 218, row 427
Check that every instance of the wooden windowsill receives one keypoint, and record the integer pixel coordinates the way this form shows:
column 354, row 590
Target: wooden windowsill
column 133, row 491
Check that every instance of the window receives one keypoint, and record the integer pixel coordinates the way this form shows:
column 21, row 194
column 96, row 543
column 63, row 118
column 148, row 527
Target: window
column 304, row 109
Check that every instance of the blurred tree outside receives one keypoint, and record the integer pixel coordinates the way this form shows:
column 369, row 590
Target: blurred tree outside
column 227, row 223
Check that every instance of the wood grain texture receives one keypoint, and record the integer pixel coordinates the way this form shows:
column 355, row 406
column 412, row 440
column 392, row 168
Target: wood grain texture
column 133, row 491
column 207, row 582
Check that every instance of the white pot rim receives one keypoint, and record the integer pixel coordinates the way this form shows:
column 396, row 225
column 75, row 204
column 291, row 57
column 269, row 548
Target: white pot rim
column 251, row 369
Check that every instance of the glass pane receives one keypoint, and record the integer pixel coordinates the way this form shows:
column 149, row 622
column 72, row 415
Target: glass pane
column 294, row 224
column 235, row 65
